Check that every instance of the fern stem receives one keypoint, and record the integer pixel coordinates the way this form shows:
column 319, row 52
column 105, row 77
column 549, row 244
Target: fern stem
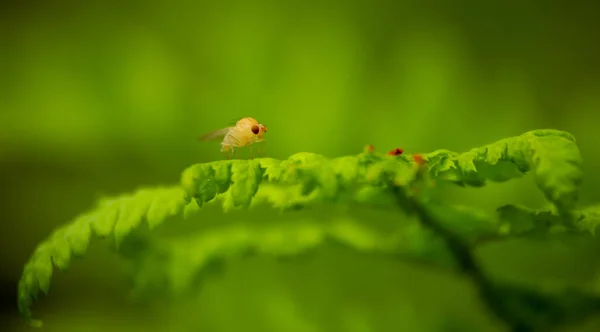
column 463, row 257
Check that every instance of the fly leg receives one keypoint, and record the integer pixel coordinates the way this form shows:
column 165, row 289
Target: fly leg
column 227, row 151
column 224, row 151
column 250, row 147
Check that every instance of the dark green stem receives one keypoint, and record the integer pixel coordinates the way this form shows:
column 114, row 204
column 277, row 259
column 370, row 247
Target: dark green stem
column 465, row 260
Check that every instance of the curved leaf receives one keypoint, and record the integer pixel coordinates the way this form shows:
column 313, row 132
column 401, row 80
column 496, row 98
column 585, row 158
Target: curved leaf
column 186, row 261
column 552, row 155
column 306, row 179
column 116, row 217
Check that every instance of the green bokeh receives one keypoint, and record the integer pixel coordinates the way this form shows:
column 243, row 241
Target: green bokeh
column 100, row 97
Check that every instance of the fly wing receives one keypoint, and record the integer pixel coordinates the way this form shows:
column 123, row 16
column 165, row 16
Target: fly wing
column 214, row 135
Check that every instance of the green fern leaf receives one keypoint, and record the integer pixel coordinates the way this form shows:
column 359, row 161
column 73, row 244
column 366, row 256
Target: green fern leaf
column 520, row 220
column 282, row 198
column 552, row 155
column 347, row 169
column 105, row 219
column 306, row 179
column 199, row 180
column 522, row 309
column 558, row 167
column 222, row 176
column 166, row 203
column 185, row 260
column 115, row 217
column 588, row 218
column 468, row 223
column 132, row 214
column 245, row 178
column 272, row 168
column 78, row 235
column 318, row 179
column 501, row 161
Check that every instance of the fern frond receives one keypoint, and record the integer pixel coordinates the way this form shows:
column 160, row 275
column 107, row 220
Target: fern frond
column 306, row 179
column 520, row 308
column 552, row 156
column 588, row 218
column 115, row 217
column 517, row 220
column 185, row 261
column 312, row 173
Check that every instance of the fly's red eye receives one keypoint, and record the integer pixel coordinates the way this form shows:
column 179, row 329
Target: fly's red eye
column 255, row 129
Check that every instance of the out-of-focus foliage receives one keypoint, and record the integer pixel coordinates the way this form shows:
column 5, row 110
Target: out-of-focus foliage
column 443, row 235
column 98, row 97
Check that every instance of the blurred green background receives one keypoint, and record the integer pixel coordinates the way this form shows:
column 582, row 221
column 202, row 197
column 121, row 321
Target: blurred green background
column 101, row 97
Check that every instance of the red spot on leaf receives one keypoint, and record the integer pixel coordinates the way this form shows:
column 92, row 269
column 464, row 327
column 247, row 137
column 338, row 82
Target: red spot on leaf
column 369, row 148
column 396, row 152
column 418, row 159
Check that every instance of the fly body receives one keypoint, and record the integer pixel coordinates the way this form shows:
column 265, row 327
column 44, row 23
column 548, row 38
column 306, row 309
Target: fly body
column 245, row 132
